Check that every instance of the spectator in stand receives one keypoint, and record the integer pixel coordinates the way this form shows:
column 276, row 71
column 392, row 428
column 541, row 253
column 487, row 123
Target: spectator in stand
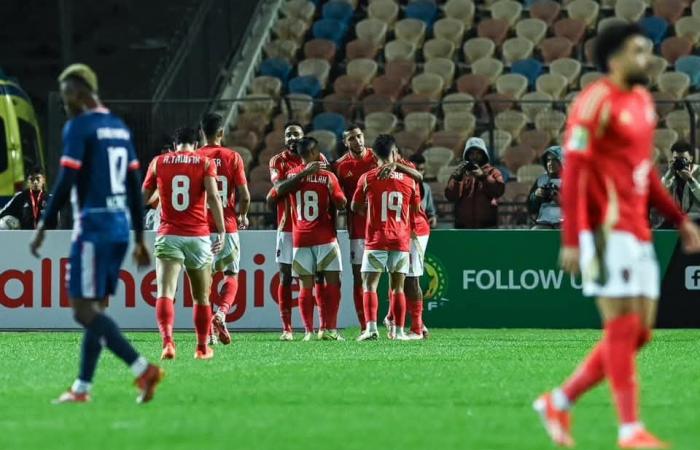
column 682, row 179
column 475, row 187
column 28, row 205
column 544, row 201
column 427, row 202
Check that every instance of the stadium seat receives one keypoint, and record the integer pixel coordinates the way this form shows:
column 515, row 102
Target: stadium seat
column 501, row 141
column 569, row 68
column 537, row 140
column 676, row 84
column 546, row 10
column 381, row 122
column 457, row 102
column 689, row 27
column 399, row 50
column 529, row 173
column 409, row 142
column 511, row 121
column 462, row 10
column 690, row 65
column 534, row 102
column 669, row 10
column 476, row 48
column 555, row 48
column 588, row 51
column 377, row 103
column 266, row 85
column 254, row 122
column 259, row 174
column 674, row 47
column 516, row 49
column 372, row 30
column 552, row 84
column 449, row 29
column 305, row 84
column 422, row 10
column 438, row 48
column 530, row 68
column 609, row 21
column 319, row 68
column 243, row 138
column 400, row 70
column 274, row 139
column 443, row 67
column 259, row 104
column 516, row 192
column 363, row 69
column 550, row 121
column 435, row 159
column 327, row 141
column 411, row 31
column 513, row 84
column 423, row 123
column 586, row 10
column 664, row 138
column 299, row 9
column 281, row 49
column 444, row 174
column 246, row 156
column 679, row 121
column 655, row 28
column 695, row 8
column 508, row 10
column 276, row 67
column 298, row 107
column 338, row 10
column 330, row 29
column 572, row 29
column 290, row 28
column 449, row 139
column 531, row 29
column 489, row 67
column 630, row 10
column 494, row 29
column 665, row 103
column 332, row 122
column 416, row 103
column 588, row 78
column 385, row 10
column 518, row 156
column 475, row 85
column 348, row 86
column 388, row 87
column 359, row 49
column 320, row 49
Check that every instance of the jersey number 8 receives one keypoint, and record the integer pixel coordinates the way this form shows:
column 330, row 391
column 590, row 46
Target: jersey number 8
column 308, row 208
column 180, row 197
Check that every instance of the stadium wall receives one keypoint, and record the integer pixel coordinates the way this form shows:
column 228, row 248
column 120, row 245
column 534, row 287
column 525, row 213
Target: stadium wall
column 486, row 279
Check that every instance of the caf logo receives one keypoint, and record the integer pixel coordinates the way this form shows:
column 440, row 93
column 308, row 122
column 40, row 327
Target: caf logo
column 434, row 279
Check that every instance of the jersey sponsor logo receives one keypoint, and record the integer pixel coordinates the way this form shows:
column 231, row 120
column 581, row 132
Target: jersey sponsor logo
column 578, row 141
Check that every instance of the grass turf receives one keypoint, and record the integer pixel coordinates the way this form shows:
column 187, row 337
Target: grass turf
column 466, row 389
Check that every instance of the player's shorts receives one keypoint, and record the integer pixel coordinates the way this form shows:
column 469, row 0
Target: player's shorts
column 417, row 256
column 194, row 252
column 94, row 267
column 618, row 265
column 385, row 260
column 229, row 258
column 357, row 250
column 317, row 258
column 285, row 248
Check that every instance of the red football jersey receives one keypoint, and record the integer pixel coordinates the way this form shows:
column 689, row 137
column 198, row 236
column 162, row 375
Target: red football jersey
column 608, row 169
column 313, row 206
column 349, row 168
column 280, row 165
column 419, row 219
column 179, row 178
column 389, row 203
column 230, row 174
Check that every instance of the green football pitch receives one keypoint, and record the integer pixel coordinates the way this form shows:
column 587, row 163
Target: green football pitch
column 462, row 389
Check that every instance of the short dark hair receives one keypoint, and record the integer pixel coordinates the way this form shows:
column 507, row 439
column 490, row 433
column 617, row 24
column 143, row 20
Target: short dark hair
column 293, row 123
column 417, row 158
column 35, row 170
column 211, row 124
column 352, row 126
column 682, row 147
column 611, row 40
column 383, row 145
column 306, row 144
column 185, row 135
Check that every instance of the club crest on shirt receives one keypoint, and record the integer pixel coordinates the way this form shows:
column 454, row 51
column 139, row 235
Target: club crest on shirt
column 625, row 117
column 578, row 141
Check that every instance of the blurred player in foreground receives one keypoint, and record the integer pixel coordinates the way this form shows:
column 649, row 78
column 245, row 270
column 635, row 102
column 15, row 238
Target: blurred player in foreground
column 184, row 181
column 388, row 204
column 230, row 176
column 608, row 183
column 100, row 169
column 315, row 196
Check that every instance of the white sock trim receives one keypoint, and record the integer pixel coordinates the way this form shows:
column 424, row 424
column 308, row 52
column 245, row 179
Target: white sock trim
column 81, row 387
column 139, row 366
column 627, row 430
column 560, row 400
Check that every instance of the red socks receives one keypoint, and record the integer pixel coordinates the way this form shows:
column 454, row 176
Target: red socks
column 359, row 307
column 202, row 319
column 415, row 310
column 228, row 294
column 165, row 316
column 371, row 305
column 319, row 298
column 622, row 337
column 332, row 305
column 398, row 304
column 587, row 376
column 284, row 298
column 306, row 308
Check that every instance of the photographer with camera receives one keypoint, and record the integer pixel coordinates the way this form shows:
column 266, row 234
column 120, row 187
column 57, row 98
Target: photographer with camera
column 682, row 179
column 544, row 200
column 475, row 187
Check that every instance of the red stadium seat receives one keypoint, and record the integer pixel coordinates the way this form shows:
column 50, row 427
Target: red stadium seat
column 546, row 10
column 555, row 48
column 377, row 103
column 475, row 85
column 494, row 29
column 360, row 49
column 320, row 49
column 572, row 29
column 674, row 47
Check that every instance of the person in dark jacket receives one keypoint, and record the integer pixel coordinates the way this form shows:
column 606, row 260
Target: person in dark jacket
column 28, row 205
column 543, row 201
column 475, row 187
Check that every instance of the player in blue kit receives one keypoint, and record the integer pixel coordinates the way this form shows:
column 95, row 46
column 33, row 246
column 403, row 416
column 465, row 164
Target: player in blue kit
column 99, row 171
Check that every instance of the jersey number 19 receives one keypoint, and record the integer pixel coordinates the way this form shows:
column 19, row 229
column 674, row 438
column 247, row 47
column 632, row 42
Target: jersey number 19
column 391, row 201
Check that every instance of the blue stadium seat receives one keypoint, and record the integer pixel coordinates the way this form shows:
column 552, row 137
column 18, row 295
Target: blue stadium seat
column 422, row 10
column 332, row 122
column 655, row 29
column 307, row 84
column 529, row 68
column 330, row 29
column 690, row 65
column 276, row 67
column 338, row 10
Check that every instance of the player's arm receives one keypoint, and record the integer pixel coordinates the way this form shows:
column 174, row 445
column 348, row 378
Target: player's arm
column 410, row 171
column 149, row 189
column 359, row 199
column 213, row 199
column 282, row 188
column 337, row 195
